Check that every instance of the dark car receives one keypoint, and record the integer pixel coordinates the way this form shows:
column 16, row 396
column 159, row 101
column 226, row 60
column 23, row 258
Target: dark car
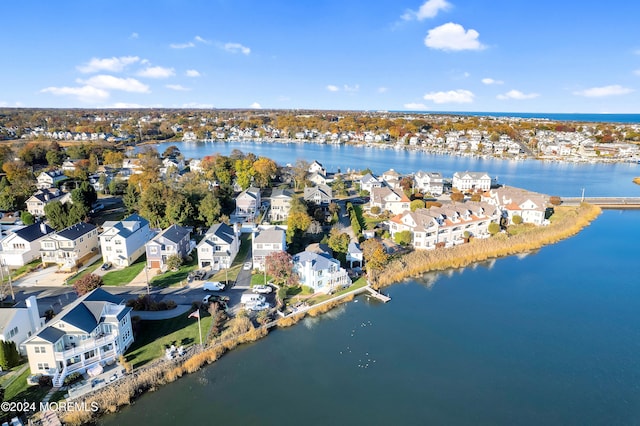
column 106, row 266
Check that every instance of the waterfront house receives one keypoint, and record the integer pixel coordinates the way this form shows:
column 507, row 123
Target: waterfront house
column 320, row 272
column 175, row 240
column 93, row 330
column 37, row 202
column 71, row 246
column 390, row 175
column 389, row 200
column 280, row 205
column 219, row 247
column 20, row 322
column 368, row 182
column 530, row 206
column 23, row 245
column 319, row 178
column 469, row 181
column 265, row 242
column 68, row 166
column 355, row 256
column 320, row 195
column 50, row 179
column 316, row 167
column 248, row 202
column 445, row 226
column 123, row 242
column 429, row 182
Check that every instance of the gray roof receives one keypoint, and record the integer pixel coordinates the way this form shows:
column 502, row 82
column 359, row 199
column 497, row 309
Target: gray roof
column 175, row 233
column 77, row 230
column 33, row 232
column 319, row 262
column 6, row 315
column 281, row 193
column 222, row 231
column 354, row 248
column 125, row 226
column 269, row 236
column 50, row 334
column 45, row 195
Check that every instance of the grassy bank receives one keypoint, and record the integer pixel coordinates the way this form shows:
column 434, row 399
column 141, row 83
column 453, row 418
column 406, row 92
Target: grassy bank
column 566, row 222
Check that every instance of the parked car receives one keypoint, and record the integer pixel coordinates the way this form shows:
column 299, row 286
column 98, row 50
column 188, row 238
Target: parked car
column 106, row 266
column 213, row 286
column 198, row 274
column 258, row 306
column 249, row 299
column 262, row 289
column 97, row 207
column 247, row 266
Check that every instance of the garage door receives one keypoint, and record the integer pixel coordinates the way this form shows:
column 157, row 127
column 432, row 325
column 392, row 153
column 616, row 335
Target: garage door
column 155, row 264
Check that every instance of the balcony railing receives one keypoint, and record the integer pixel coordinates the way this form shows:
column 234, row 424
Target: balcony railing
column 87, row 345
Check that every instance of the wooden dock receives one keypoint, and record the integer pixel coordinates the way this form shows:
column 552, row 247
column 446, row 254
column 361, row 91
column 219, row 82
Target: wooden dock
column 381, row 297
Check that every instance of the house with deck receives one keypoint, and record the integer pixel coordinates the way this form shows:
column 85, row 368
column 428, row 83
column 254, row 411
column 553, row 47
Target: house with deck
column 530, row 206
column 50, row 179
column 280, row 205
column 389, row 199
column 37, row 202
column 175, row 240
column 429, row 183
column 123, row 242
column 71, row 246
column 470, row 181
column 89, row 333
column 248, row 202
column 320, row 272
column 23, row 245
column 219, row 247
column 320, row 195
column 265, row 242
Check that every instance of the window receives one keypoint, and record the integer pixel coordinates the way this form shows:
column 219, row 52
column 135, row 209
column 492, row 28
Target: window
column 153, row 250
column 40, row 366
column 108, row 248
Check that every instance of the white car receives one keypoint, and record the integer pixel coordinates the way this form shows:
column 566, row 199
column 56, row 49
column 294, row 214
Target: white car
column 258, row 306
column 247, row 266
column 262, row 289
column 213, row 286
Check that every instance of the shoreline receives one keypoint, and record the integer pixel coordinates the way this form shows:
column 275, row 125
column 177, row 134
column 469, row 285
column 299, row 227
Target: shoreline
column 163, row 372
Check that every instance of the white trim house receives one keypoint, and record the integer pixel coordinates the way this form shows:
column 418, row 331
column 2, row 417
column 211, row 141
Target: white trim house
column 20, row 322
column 23, row 245
column 219, row 247
column 320, row 272
column 122, row 243
column 69, row 246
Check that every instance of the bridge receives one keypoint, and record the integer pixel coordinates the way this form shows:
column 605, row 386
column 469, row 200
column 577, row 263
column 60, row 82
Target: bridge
column 604, row 202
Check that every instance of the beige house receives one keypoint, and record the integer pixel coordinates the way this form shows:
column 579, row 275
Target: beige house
column 389, row 199
column 37, row 202
column 70, row 246
column 280, row 205
column 89, row 333
column 265, row 242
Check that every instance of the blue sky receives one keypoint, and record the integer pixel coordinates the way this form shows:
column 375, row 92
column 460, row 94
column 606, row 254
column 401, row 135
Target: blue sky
column 435, row 55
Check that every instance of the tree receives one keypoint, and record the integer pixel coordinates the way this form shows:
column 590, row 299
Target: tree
column 8, row 201
column 171, row 151
column 27, row 218
column 375, row 210
column 406, row 183
column 516, row 219
column 174, row 262
column 9, row 356
column 555, row 200
column 417, row 204
column 55, row 158
column 403, row 238
column 297, row 222
column 339, row 186
column 153, row 204
column 264, row 169
column 87, row 283
column 375, row 257
column 56, row 215
column 130, row 199
column 338, row 241
column 179, row 210
column 85, row 195
column 457, row 196
column 244, row 172
column 113, row 158
column 300, row 172
column 209, row 209
column 279, row 265
column 493, row 228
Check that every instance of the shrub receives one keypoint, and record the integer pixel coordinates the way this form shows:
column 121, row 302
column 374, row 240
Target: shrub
column 555, row 200
column 517, row 220
column 45, row 381
column 9, row 356
column 375, row 210
column 457, row 196
column 493, row 228
column 174, row 262
column 87, row 283
column 403, row 237
column 72, row 378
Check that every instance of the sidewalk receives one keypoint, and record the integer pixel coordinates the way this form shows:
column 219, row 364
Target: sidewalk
column 50, row 276
column 161, row 315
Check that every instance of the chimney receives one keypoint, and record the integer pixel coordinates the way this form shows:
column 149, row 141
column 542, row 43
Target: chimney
column 43, row 228
column 34, row 314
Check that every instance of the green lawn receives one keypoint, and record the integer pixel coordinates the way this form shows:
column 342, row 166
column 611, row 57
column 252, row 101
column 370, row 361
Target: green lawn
column 258, row 278
column 360, row 282
column 370, row 222
column 18, row 390
column 23, row 269
column 170, row 278
column 89, row 269
column 154, row 336
column 126, row 275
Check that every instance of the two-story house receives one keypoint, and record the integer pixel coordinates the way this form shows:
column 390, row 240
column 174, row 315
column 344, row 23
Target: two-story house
column 368, row 182
column 175, row 240
column 123, row 242
column 320, row 195
column 219, row 247
column 355, row 256
column 389, row 199
column 70, row 246
column 265, row 242
column 467, row 181
column 23, row 245
column 20, row 322
column 91, row 331
column 320, row 272
column 317, row 167
column 50, row 179
column 280, row 205
column 530, row 206
column 429, row 182
column 37, row 202
column 248, row 202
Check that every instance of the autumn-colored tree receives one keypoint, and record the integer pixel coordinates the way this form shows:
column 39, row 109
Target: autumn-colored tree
column 113, row 158
column 457, row 196
column 555, row 200
column 87, row 283
column 476, row 197
column 493, row 228
column 375, row 257
column 279, row 265
column 264, row 169
column 300, row 172
column 406, row 183
column 297, row 223
column 416, row 204
column 244, row 172
column 403, row 238
column 338, row 241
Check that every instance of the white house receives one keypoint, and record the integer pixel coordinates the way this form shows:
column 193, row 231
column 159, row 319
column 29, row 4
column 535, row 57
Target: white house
column 320, row 272
column 530, row 206
column 388, row 199
column 20, row 322
column 248, row 202
column 316, row 167
column 90, row 332
column 265, row 242
column 465, row 181
column 280, row 204
column 50, row 179
column 219, row 247
column 368, row 182
column 23, row 245
column 70, row 246
column 429, row 182
column 37, row 202
column 123, row 242
column 321, row 195
column 354, row 254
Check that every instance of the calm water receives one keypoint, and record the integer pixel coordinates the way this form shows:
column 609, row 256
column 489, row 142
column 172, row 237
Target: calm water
column 562, row 179
column 549, row 338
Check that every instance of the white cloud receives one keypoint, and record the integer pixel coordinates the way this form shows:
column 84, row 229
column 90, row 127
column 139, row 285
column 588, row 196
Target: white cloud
column 201, row 40
column 255, row 105
column 490, row 81
column 107, row 64
column 157, row 72
column 354, row 88
column 637, row 72
column 429, row 9
column 177, row 87
column 332, row 88
column 516, row 94
column 197, row 105
column 236, row 48
column 599, row 92
column 459, row 96
column 134, row 36
column 85, row 93
column 109, row 82
column 182, row 45
column 383, row 89
column 452, row 36
column 415, row 106
column 193, row 73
